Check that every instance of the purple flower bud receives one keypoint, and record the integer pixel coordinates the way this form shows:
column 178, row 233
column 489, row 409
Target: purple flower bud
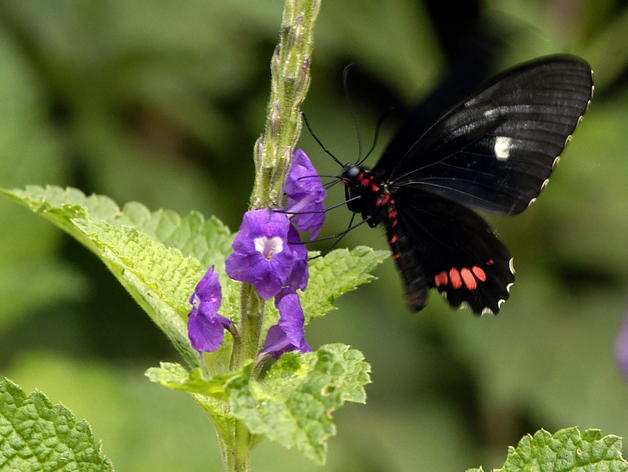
column 262, row 255
column 206, row 328
column 289, row 334
column 305, row 193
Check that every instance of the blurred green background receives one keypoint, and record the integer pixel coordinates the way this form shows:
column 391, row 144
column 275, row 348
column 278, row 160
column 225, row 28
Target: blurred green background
column 160, row 101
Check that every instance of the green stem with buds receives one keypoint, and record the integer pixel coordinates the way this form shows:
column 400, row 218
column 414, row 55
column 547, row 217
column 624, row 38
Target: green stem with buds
column 290, row 80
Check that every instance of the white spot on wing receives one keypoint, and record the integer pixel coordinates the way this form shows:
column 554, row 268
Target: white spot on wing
column 487, row 310
column 502, row 147
column 511, row 265
column 508, row 287
column 500, row 303
column 463, row 305
column 556, row 161
column 544, row 184
column 531, row 202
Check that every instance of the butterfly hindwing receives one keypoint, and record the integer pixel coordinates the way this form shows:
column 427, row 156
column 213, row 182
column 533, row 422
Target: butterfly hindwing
column 439, row 243
column 496, row 150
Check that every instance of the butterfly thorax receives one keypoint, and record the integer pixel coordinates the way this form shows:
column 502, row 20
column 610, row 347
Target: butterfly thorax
column 367, row 194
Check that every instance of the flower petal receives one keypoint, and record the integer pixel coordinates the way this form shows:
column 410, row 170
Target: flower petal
column 207, row 332
column 262, row 254
column 207, row 295
column 206, row 328
column 305, row 193
column 289, row 333
column 300, row 274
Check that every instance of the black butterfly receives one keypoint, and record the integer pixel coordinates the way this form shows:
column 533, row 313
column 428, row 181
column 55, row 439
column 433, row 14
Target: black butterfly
column 494, row 151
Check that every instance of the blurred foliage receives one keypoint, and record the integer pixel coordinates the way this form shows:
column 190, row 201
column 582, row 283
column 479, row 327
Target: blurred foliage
column 160, row 101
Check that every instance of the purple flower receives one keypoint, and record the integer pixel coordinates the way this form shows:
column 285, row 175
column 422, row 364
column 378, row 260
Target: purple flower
column 262, row 255
column 300, row 272
column 206, row 328
column 622, row 348
column 305, row 194
column 289, row 334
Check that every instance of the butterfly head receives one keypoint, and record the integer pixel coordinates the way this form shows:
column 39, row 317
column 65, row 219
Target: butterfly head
column 351, row 173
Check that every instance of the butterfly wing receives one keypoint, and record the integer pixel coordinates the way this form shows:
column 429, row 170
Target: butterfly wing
column 496, row 150
column 439, row 243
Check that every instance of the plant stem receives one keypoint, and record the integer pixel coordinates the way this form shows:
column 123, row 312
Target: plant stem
column 290, row 71
column 290, row 80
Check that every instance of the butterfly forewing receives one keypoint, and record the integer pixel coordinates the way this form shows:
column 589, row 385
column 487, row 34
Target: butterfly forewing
column 496, row 150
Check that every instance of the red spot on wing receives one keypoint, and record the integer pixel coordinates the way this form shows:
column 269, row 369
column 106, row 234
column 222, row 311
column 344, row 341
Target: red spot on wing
column 383, row 200
column 394, row 223
column 490, row 262
column 454, row 275
column 394, row 239
column 374, row 187
column 441, row 279
column 397, row 256
column 479, row 273
column 468, row 279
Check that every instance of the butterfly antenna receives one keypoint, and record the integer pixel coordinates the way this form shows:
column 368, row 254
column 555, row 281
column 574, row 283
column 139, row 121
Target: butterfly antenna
column 345, row 86
column 378, row 127
column 327, row 151
column 309, row 212
column 329, row 185
column 334, row 236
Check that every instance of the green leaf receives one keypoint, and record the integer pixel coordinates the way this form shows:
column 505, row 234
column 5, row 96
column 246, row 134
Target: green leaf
column 158, row 257
column 337, row 273
column 209, row 240
column 176, row 377
column 293, row 405
column 331, row 276
column 38, row 436
column 567, row 450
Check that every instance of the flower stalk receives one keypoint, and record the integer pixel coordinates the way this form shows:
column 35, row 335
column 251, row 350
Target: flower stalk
column 290, row 80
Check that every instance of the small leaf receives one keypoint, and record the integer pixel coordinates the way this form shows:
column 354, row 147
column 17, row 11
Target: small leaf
column 38, row 436
column 567, row 450
column 176, row 377
column 339, row 272
column 293, row 405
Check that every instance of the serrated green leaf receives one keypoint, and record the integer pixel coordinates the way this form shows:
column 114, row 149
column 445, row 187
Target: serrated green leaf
column 566, row 451
column 331, row 276
column 293, row 405
column 208, row 240
column 176, row 377
column 337, row 273
column 156, row 256
column 38, row 436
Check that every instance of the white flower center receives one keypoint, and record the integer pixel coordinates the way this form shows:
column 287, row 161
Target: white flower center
column 196, row 301
column 269, row 246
